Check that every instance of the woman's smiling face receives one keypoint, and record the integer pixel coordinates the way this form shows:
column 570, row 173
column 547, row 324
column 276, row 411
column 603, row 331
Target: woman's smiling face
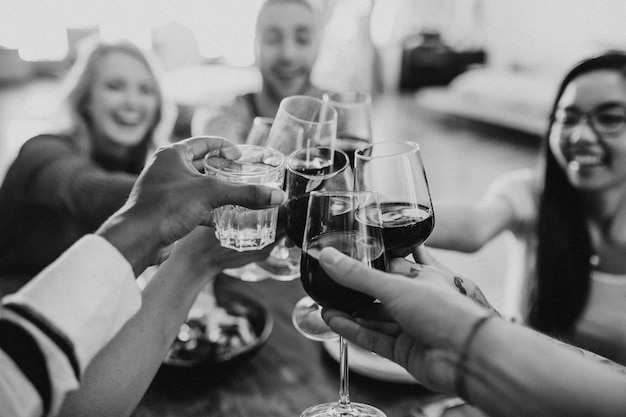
column 123, row 99
column 588, row 138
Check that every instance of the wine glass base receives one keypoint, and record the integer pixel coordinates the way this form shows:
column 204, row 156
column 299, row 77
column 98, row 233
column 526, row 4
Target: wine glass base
column 251, row 273
column 307, row 319
column 280, row 270
column 334, row 410
column 283, row 264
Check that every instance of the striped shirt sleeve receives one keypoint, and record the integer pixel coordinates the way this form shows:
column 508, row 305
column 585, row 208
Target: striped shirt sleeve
column 52, row 328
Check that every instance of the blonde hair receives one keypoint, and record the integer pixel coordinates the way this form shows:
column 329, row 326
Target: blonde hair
column 77, row 87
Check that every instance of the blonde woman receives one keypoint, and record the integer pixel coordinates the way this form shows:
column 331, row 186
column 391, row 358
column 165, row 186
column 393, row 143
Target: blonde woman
column 62, row 185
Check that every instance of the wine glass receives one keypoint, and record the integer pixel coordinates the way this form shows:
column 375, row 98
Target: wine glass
column 303, row 122
column 300, row 121
column 312, row 169
column 395, row 170
column 354, row 120
column 350, row 222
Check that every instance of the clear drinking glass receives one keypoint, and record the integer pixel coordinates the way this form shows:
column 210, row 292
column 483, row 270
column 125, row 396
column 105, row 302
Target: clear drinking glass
column 283, row 262
column 238, row 227
column 395, row 170
column 312, row 169
column 354, row 120
column 350, row 222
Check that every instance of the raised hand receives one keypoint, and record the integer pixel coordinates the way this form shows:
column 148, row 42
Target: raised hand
column 423, row 338
column 426, row 261
column 171, row 197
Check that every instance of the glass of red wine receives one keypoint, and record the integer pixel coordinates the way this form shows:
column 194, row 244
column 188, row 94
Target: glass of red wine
column 350, row 222
column 395, row 170
column 308, row 170
column 354, row 120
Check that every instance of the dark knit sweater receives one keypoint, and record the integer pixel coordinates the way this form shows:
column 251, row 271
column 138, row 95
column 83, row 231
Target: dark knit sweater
column 51, row 196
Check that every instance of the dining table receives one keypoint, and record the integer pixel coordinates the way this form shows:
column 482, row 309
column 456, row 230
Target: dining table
column 287, row 374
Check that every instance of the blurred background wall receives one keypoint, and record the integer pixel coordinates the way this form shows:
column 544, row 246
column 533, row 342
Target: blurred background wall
column 537, row 33
column 206, row 46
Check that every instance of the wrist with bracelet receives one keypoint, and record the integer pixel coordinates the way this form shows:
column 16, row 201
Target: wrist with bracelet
column 461, row 367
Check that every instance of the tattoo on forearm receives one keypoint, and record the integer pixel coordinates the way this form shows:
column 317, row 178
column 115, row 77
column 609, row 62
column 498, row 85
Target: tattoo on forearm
column 414, row 272
column 480, row 298
column 476, row 295
column 601, row 359
column 458, row 282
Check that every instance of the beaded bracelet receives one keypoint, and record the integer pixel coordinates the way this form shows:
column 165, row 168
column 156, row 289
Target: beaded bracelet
column 459, row 380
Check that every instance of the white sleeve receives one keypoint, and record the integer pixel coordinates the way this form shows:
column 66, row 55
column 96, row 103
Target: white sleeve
column 54, row 326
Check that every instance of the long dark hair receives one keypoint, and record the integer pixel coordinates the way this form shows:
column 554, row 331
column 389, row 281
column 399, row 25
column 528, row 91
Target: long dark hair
column 564, row 245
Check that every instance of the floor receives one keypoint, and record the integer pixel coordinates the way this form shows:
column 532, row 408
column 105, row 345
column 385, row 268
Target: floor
column 461, row 157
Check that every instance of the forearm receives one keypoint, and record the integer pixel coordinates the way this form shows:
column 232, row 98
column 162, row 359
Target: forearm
column 134, row 236
column 468, row 227
column 514, row 371
column 455, row 228
column 119, row 376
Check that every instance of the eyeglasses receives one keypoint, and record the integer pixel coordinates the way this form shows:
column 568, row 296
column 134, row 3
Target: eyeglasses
column 603, row 120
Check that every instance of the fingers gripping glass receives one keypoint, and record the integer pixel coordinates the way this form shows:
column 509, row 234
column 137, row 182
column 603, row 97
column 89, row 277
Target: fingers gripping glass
column 606, row 120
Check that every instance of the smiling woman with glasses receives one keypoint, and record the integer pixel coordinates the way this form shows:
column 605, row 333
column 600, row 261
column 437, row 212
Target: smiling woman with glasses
column 568, row 216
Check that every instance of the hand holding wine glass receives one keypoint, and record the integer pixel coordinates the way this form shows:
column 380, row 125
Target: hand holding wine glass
column 350, row 222
column 395, row 170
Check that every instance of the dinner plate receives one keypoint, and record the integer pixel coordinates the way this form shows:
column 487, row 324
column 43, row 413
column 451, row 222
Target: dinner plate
column 370, row 364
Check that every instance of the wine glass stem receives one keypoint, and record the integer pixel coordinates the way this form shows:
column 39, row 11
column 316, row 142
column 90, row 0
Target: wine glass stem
column 344, row 394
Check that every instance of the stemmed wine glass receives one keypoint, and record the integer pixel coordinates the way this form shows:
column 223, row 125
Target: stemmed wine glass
column 308, row 170
column 350, row 222
column 354, row 120
column 395, row 170
column 301, row 121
